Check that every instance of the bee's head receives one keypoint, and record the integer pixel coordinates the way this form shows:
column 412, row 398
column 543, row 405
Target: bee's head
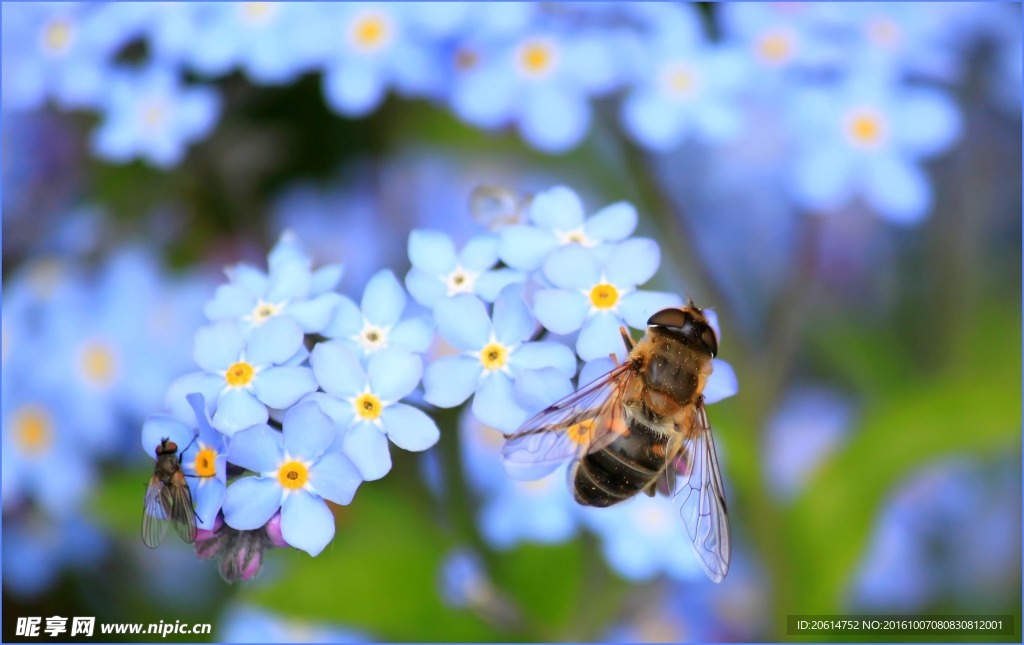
column 166, row 447
column 689, row 324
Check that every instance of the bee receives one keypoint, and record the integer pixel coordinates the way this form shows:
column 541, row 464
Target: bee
column 168, row 499
column 642, row 427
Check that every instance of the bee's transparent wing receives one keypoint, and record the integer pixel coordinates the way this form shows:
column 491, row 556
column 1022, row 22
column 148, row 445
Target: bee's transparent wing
column 583, row 422
column 183, row 512
column 156, row 512
column 700, row 495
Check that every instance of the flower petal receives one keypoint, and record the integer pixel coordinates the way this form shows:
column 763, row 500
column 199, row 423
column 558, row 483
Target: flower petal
column 495, row 404
column 480, row 253
column 557, row 209
column 524, row 247
column 209, row 500
column 229, row 302
column 410, row 428
column 414, row 334
column 897, row 189
column 722, row 383
column 383, row 299
column 637, row 308
column 632, row 262
column 571, row 267
column 346, row 321
column 250, row 502
column 536, row 389
column 290, row 280
column 335, row 478
column 208, row 385
column 431, row 252
column 425, row 288
column 599, row 337
column 612, row 223
column 315, row 314
column 513, row 322
column 306, row 522
column 274, row 341
column 394, row 373
column 326, row 278
column 280, row 387
column 257, row 449
column 367, row 447
column 463, row 321
column 341, row 412
column 218, row 346
column 337, row 369
column 308, row 432
column 450, row 380
column 540, row 354
column 161, row 426
column 237, row 410
column 490, row 283
column 560, row 311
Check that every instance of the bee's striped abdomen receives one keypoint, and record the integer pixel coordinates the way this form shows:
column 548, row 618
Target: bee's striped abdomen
column 620, row 470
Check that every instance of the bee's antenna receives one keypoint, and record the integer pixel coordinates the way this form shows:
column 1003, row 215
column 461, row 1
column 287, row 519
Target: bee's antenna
column 689, row 301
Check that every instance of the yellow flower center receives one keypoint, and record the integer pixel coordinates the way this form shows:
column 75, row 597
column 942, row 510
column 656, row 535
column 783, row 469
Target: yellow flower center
column 262, row 311
column 370, row 31
column 865, row 128
column 775, row 47
column 293, row 475
column 537, row 57
column 239, row 374
column 205, row 463
column 32, row 427
column 494, row 356
column 604, row 296
column 580, row 432
column 679, row 80
column 258, row 11
column 57, row 36
column 368, row 406
column 98, row 363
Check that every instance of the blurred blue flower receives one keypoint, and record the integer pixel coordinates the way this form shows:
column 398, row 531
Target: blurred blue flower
column 149, row 114
column 779, row 38
column 685, row 87
column 492, row 355
column 203, row 452
column 868, row 138
column 557, row 219
column 598, row 296
column 366, row 48
column 38, row 548
column 463, row 580
column 437, row 272
column 808, row 427
column 243, row 624
column 289, row 288
column 366, row 403
column 295, row 471
column 378, row 323
column 242, row 377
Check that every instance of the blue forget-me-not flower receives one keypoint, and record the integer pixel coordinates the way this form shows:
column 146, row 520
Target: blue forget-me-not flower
column 438, row 272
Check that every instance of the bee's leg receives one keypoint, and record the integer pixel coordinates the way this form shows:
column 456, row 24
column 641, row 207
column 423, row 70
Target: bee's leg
column 626, row 339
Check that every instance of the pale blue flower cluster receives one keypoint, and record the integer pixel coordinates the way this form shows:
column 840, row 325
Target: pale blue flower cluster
column 539, row 68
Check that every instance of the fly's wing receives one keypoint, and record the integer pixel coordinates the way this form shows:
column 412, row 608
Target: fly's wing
column 183, row 513
column 583, row 422
column 701, row 497
column 156, row 512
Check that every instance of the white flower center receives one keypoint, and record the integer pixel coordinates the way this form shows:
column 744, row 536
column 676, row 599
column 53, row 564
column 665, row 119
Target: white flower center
column 263, row 311
column 372, row 338
column 460, row 281
column 575, row 236
column 680, row 80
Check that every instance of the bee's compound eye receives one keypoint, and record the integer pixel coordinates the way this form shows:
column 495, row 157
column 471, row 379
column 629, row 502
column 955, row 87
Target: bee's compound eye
column 710, row 340
column 668, row 318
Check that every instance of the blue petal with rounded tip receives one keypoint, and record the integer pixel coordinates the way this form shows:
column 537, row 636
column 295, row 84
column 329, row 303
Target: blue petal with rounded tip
column 289, row 280
column 367, row 447
column 431, row 252
column 335, row 478
column 218, row 346
column 315, row 314
column 450, row 380
column 394, row 373
column 160, row 426
column 250, row 502
column 280, row 387
column 560, row 311
column 209, row 498
column 536, row 389
column 307, row 431
column 341, row 412
column 383, row 299
column 414, row 334
column 273, row 341
column 306, row 522
column 425, row 288
column 337, row 369
column 491, row 283
column 541, row 354
column 346, row 320
column 524, row 247
column 258, row 449
column 326, row 278
column 637, row 308
column 209, row 385
column 480, row 253
column 513, row 322
column 229, row 302
column 557, row 209
column 597, row 368
column 463, row 321
column 599, row 337
column 409, row 428
column 249, row 278
column 238, row 409
column 612, row 223
column 632, row 262
column 495, row 404
column 572, row 267
column 722, row 383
